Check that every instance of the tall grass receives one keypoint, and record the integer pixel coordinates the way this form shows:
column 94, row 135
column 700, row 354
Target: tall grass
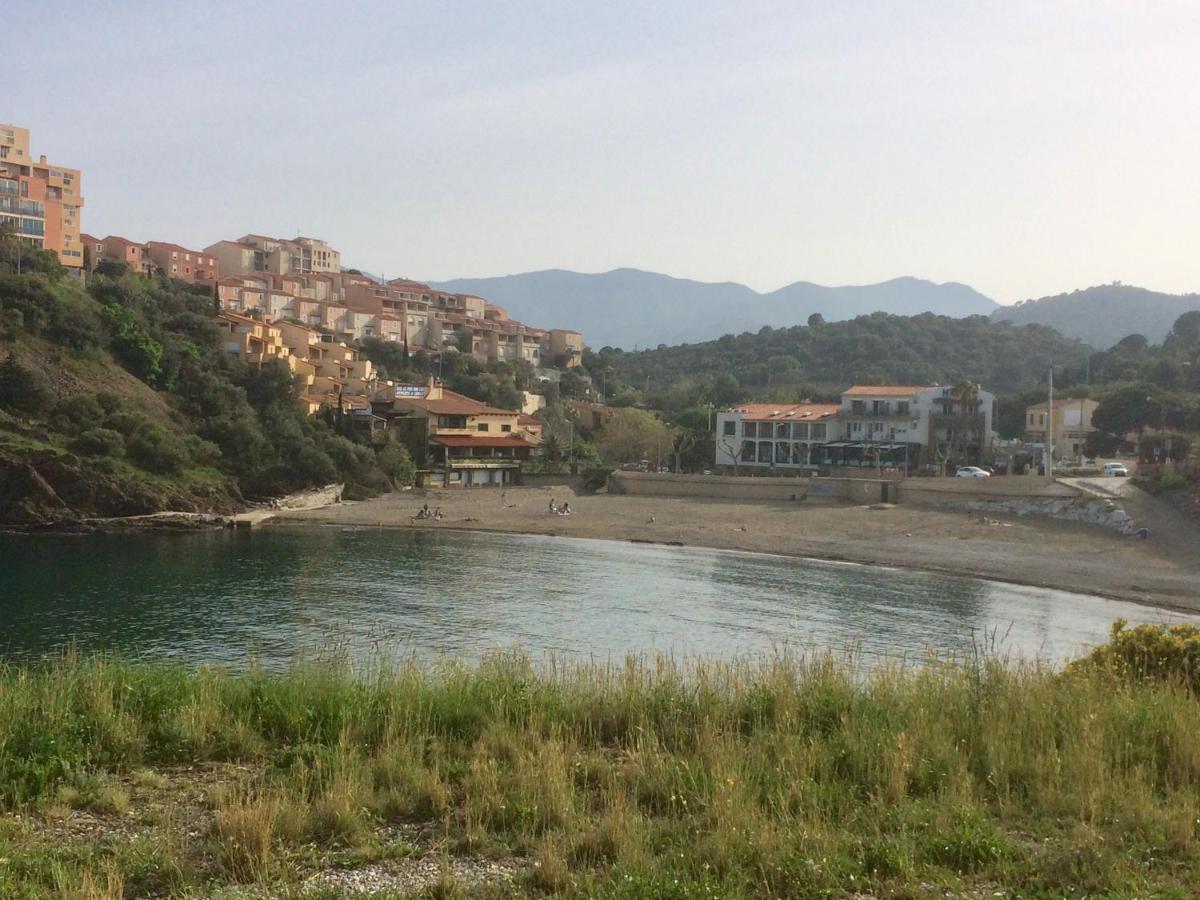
column 794, row 777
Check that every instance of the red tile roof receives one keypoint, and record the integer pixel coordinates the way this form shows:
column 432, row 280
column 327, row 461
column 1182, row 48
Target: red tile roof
column 472, row 440
column 782, row 411
column 887, row 390
column 452, row 404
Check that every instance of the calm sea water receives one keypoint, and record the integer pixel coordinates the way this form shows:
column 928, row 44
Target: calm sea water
column 280, row 594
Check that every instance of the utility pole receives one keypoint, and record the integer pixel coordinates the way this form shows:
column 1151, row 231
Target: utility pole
column 1050, row 429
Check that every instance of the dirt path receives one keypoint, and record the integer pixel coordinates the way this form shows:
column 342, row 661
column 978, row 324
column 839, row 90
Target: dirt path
column 1036, row 551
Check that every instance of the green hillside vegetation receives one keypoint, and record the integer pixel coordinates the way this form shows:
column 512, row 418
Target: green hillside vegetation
column 822, row 358
column 119, row 399
column 1102, row 315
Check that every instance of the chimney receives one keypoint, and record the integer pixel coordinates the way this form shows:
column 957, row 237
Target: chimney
column 42, row 160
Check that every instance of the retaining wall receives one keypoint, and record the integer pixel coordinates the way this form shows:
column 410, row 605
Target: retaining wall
column 724, row 487
column 957, row 492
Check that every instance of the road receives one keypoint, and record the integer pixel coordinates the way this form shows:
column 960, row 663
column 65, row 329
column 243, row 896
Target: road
column 1173, row 532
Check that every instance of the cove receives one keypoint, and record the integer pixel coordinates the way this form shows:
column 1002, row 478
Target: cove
column 278, row 595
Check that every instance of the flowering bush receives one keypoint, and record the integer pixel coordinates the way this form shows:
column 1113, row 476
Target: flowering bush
column 1167, row 652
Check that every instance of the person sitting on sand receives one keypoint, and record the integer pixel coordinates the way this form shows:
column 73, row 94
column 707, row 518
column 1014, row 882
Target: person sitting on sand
column 566, row 509
column 553, row 508
column 438, row 513
column 423, row 512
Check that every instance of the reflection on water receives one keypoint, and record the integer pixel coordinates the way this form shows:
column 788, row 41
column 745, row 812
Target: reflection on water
column 279, row 593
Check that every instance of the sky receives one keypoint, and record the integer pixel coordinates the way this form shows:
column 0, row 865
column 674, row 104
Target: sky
column 1024, row 148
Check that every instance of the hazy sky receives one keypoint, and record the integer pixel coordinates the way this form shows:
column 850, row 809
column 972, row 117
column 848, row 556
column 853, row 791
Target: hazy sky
column 1025, row 148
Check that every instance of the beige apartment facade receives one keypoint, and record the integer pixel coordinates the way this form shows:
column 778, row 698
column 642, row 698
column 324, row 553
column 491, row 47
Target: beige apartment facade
column 1069, row 425
column 42, row 202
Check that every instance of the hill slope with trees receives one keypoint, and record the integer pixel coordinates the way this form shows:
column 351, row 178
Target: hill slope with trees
column 119, row 399
column 1103, row 315
column 814, row 359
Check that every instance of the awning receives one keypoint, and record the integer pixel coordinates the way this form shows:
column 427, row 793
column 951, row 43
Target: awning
column 472, row 440
column 837, row 444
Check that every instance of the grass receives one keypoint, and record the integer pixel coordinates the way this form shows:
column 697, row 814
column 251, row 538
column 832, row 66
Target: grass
column 794, row 777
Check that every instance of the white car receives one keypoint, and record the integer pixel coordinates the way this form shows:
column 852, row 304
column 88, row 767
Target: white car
column 971, row 472
column 1116, row 469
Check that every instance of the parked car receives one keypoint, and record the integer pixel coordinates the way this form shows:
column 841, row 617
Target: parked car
column 971, row 472
column 1116, row 469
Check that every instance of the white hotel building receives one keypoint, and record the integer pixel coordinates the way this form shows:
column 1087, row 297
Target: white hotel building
column 898, row 426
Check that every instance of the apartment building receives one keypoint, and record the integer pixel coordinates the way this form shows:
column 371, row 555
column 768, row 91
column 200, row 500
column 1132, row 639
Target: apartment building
column 129, row 253
column 355, row 307
column 895, row 426
column 278, row 256
column 467, row 443
column 1069, row 424
column 179, row 262
column 253, row 340
column 777, row 435
column 42, row 201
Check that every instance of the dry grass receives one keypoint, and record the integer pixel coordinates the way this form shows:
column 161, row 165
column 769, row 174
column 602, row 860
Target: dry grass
column 791, row 778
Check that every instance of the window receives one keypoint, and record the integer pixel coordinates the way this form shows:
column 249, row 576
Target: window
column 902, row 408
column 858, row 406
column 747, row 451
column 764, row 451
column 506, row 428
column 800, row 430
column 856, row 428
column 783, row 430
column 730, row 427
column 482, row 426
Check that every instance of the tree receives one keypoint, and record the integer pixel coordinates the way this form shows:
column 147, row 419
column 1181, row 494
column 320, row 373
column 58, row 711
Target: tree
column 816, row 320
column 1187, row 327
column 630, row 435
column 966, row 394
column 1131, row 408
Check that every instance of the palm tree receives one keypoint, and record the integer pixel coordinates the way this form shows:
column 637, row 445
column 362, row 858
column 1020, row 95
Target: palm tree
column 966, row 393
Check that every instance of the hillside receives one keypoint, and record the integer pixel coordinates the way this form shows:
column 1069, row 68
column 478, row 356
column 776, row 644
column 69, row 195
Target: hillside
column 870, row 349
column 1102, row 315
column 628, row 307
column 119, row 399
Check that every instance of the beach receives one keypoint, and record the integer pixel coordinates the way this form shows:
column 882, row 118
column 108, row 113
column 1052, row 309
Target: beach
column 1024, row 550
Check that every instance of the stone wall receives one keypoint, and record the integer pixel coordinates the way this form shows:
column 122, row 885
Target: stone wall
column 312, row 499
column 1088, row 510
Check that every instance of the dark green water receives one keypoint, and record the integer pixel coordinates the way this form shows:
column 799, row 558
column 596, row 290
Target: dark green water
column 279, row 594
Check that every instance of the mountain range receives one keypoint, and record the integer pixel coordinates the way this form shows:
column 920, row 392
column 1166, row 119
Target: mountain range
column 630, row 308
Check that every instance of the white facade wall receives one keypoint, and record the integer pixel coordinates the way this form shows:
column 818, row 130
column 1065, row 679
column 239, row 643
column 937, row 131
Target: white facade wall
column 786, row 444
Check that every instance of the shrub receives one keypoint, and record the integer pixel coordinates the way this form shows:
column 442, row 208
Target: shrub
column 82, row 410
column 156, row 450
column 1162, row 652
column 22, row 389
column 99, row 442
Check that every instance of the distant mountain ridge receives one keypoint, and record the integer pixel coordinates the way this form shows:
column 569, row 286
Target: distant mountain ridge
column 629, row 307
column 1102, row 315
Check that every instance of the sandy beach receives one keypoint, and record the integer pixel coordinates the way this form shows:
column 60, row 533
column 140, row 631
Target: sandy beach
column 1030, row 550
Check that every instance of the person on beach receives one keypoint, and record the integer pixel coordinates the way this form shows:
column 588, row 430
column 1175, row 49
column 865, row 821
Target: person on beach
column 503, row 499
column 438, row 513
column 553, row 508
column 423, row 512
column 566, row 509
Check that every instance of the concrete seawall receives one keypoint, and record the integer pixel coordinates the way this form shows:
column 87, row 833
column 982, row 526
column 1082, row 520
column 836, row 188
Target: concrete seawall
column 724, row 487
column 956, row 492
